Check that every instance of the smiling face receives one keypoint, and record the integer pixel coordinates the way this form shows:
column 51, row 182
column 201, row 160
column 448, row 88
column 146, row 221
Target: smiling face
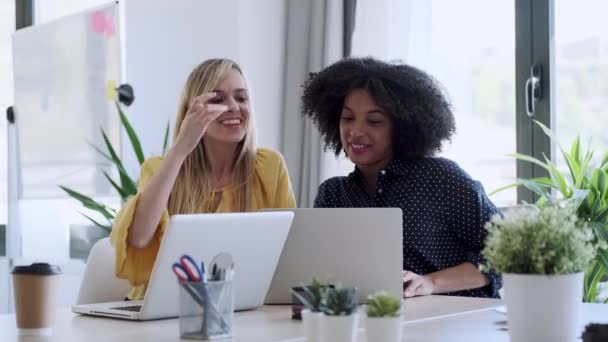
column 365, row 131
column 231, row 126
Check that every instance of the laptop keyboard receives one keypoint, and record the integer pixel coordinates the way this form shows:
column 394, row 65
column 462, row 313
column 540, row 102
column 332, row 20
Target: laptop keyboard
column 134, row 308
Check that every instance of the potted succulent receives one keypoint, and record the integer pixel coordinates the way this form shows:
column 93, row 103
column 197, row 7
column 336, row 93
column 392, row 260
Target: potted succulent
column 311, row 297
column 542, row 256
column 340, row 320
column 383, row 318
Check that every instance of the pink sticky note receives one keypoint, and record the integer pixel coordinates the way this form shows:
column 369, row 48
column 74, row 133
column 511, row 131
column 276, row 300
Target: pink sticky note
column 109, row 29
column 98, row 21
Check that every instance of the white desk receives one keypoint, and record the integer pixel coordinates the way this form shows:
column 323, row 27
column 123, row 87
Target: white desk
column 432, row 318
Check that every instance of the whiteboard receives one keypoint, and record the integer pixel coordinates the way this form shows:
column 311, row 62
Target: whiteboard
column 62, row 71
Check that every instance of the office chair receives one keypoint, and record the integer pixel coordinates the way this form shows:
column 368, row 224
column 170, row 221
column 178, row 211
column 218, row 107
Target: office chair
column 99, row 283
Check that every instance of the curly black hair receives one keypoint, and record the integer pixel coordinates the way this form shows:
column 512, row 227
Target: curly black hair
column 421, row 114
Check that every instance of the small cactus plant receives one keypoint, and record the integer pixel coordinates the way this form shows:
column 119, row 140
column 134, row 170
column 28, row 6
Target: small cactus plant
column 312, row 295
column 339, row 301
column 383, row 305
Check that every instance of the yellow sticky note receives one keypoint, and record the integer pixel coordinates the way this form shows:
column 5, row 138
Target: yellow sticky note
column 111, row 92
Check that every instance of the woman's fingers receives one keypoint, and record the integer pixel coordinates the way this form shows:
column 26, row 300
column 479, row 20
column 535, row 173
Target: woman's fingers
column 215, row 109
column 408, row 275
column 199, row 103
column 203, row 99
column 411, row 287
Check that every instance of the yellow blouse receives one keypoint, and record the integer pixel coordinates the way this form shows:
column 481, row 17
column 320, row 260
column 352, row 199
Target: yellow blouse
column 272, row 189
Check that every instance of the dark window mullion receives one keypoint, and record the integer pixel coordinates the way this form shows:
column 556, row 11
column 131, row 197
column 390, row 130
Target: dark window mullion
column 543, row 54
column 523, row 60
column 24, row 13
column 534, row 46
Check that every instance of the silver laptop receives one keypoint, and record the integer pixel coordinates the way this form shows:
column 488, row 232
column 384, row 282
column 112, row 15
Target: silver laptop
column 255, row 241
column 360, row 247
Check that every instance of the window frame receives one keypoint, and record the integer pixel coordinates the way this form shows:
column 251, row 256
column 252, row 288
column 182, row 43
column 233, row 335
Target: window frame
column 534, row 45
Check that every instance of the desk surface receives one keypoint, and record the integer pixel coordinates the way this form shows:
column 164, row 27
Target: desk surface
column 432, row 318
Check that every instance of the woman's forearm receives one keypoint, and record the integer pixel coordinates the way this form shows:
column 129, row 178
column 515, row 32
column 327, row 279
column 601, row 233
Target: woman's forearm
column 153, row 200
column 462, row 277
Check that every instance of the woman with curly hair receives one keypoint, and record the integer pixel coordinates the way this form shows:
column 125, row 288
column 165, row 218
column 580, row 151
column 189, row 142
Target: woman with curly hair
column 390, row 120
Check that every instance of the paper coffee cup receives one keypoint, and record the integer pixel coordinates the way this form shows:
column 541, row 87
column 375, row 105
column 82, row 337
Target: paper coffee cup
column 36, row 290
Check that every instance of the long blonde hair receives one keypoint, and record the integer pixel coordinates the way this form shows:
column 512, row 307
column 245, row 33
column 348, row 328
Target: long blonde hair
column 192, row 191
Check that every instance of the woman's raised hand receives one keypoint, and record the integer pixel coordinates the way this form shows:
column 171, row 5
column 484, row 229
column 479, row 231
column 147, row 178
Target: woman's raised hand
column 199, row 116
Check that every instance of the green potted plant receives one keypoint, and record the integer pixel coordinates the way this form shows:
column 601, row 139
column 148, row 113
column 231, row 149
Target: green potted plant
column 383, row 318
column 311, row 297
column 340, row 320
column 585, row 185
column 81, row 238
column 542, row 256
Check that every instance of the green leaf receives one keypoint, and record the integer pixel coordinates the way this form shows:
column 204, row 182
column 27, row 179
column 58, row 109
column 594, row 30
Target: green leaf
column 108, row 229
column 602, row 256
column 545, row 181
column 89, row 203
column 547, row 131
column 575, row 150
column 587, row 205
column 503, row 188
column 579, row 197
column 166, row 140
column 600, row 230
column 558, row 179
column 530, row 159
column 586, row 162
column 105, row 155
column 591, row 287
column 118, row 189
column 573, row 167
column 307, row 304
column 131, row 134
column 537, row 188
column 601, row 216
column 128, row 185
column 604, row 162
column 598, row 180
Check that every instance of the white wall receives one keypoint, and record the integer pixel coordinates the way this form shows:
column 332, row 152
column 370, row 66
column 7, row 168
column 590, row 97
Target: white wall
column 262, row 34
column 164, row 40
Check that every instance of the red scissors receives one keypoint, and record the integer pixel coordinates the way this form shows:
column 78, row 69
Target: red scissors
column 187, row 270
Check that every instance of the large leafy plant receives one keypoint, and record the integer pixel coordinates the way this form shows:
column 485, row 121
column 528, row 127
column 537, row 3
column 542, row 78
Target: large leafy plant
column 585, row 185
column 125, row 186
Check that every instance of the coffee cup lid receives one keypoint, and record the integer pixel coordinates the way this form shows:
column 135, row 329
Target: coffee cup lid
column 39, row 268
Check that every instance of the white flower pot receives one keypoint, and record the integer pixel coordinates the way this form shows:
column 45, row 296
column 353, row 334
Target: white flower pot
column 543, row 308
column 339, row 328
column 383, row 329
column 312, row 325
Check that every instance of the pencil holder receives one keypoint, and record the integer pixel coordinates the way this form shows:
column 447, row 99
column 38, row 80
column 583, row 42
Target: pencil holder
column 206, row 310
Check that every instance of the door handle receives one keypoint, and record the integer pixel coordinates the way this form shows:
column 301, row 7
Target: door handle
column 533, row 89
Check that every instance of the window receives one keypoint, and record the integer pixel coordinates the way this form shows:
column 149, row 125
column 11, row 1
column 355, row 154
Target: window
column 581, row 59
column 475, row 62
column 7, row 27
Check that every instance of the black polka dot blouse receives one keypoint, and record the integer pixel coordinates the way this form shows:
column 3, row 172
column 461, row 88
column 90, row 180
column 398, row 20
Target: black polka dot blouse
column 444, row 212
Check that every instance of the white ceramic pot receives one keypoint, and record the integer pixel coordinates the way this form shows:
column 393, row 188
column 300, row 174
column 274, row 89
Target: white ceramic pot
column 383, row 329
column 339, row 328
column 312, row 325
column 543, row 308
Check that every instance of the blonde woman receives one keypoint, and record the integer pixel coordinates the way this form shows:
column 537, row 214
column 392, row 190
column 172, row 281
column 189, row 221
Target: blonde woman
column 212, row 167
